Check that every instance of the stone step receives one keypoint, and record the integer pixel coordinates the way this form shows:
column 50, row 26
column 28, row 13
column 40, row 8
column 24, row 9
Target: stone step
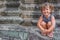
column 24, row 11
column 57, row 34
column 2, row 2
column 29, row 28
column 11, row 12
column 11, row 27
column 12, row 4
column 35, row 21
column 35, row 5
column 6, row 26
column 1, row 6
column 31, row 8
column 16, row 27
column 11, row 0
column 7, row 13
column 39, row 1
column 11, row 19
column 2, row 9
column 31, row 12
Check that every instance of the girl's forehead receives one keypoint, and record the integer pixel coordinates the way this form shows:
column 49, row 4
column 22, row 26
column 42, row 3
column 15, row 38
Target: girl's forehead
column 46, row 7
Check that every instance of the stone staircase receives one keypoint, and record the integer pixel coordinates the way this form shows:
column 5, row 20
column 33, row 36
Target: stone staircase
column 22, row 15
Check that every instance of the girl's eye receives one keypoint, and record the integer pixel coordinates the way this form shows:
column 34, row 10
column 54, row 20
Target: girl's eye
column 46, row 9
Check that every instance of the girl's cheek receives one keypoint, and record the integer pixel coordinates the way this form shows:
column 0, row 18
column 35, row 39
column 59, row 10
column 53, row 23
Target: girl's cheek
column 44, row 12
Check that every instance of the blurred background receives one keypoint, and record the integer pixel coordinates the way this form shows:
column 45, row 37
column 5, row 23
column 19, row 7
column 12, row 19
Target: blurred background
column 17, row 15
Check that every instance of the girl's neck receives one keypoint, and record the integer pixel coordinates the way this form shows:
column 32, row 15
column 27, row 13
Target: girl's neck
column 48, row 16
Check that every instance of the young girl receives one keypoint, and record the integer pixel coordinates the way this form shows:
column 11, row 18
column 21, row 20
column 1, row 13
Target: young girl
column 46, row 22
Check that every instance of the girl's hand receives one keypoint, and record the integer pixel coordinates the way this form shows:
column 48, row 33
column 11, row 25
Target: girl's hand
column 45, row 31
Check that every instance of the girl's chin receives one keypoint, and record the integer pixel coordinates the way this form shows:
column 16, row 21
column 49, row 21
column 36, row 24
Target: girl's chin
column 46, row 15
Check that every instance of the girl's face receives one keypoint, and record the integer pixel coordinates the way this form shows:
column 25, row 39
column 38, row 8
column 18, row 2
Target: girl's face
column 46, row 11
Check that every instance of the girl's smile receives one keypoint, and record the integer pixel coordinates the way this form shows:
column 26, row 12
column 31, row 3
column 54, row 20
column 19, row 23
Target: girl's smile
column 46, row 11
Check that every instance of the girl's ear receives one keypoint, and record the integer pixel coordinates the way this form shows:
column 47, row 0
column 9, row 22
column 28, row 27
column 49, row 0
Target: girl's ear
column 52, row 10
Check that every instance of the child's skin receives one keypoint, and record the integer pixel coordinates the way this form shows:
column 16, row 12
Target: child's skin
column 46, row 28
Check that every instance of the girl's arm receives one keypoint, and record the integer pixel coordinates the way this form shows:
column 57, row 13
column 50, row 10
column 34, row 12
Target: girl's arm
column 53, row 24
column 38, row 24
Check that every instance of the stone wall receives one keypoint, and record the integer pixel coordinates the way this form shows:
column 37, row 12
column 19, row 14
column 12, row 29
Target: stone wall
column 25, row 13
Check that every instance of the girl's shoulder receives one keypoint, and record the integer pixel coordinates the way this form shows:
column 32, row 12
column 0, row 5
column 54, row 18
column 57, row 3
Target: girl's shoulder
column 41, row 17
column 52, row 17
